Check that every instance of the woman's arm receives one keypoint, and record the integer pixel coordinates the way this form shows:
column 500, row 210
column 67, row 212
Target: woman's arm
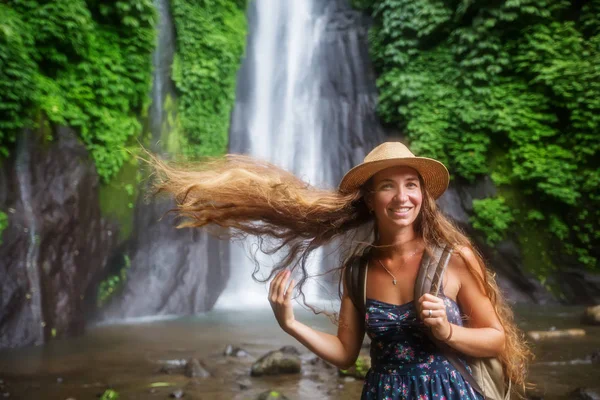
column 341, row 350
column 483, row 335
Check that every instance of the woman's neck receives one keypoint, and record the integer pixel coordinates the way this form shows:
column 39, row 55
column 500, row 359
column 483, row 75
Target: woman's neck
column 400, row 243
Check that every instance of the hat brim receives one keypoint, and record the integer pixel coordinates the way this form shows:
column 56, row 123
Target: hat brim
column 435, row 174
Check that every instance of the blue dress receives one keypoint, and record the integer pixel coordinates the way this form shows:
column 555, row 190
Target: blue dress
column 405, row 363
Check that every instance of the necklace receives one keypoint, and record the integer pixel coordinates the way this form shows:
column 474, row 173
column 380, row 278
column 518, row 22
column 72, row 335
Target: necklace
column 394, row 281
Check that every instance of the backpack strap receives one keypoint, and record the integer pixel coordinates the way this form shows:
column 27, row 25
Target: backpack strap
column 429, row 280
column 355, row 278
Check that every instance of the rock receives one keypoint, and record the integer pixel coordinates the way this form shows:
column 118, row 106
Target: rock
column 591, row 315
column 359, row 369
column 59, row 380
column 275, row 363
column 584, row 394
column 59, row 229
column 177, row 394
column 290, row 350
column 595, row 357
column 271, row 395
column 555, row 334
column 245, row 384
column 165, row 370
column 195, row 369
column 232, row 351
column 320, row 363
column 182, row 268
column 349, row 379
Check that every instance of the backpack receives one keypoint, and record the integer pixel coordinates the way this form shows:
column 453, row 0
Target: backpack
column 487, row 376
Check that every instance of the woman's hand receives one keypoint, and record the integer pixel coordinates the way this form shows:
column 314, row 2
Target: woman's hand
column 281, row 299
column 433, row 314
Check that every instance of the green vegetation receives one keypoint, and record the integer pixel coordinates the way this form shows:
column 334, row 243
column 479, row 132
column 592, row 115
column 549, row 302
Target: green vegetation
column 510, row 89
column 3, row 223
column 113, row 283
column 210, row 42
column 110, row 394
column 493, row 217
column 85, row 64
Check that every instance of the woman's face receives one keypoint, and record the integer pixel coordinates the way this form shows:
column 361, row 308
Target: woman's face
column 396, row 197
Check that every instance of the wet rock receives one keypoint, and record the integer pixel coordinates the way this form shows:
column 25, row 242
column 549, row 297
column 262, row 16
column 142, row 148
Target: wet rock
column 359, row 369
column 182, row 268
column 178, row 394
column 555, row 334
column 232, row 351
column 277, row 362
column 245, row 384
column 271, row 395
column 58, row 229
column 165, row 369
column 595, row 357
column 195, row 369
column 591, row 315
column 584, row 394
column 320, row 363
column 290, row 350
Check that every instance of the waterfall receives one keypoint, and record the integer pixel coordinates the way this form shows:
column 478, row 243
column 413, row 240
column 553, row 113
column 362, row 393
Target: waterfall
column 305, row 101
column 23, row 172
column 162, row 85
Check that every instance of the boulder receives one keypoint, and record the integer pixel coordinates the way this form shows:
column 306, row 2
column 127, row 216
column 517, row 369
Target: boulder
column 277, row 362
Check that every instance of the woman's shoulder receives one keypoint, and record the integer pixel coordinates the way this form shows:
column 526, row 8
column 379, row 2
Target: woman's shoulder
column 465, row 260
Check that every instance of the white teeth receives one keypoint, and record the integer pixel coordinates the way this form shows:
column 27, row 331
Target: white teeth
column 403, row 209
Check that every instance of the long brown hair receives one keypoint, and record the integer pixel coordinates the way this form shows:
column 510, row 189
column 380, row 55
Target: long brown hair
column 253, row 197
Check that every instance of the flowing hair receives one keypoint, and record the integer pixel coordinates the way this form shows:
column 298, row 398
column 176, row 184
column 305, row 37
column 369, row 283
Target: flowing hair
column 253, row 197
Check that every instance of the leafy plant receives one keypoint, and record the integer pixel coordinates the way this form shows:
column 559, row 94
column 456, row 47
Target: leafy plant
column 210, row 43
column 510, row 89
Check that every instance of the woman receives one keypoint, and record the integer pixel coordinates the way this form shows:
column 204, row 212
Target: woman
column 395, row 191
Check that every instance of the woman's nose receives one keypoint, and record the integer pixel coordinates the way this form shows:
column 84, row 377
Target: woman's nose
column 401, row 195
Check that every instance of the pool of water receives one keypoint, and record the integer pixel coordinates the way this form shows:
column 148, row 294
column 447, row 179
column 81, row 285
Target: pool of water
column 128, row 358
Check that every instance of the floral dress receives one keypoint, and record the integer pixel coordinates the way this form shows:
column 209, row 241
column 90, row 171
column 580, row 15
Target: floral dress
column 406, row 364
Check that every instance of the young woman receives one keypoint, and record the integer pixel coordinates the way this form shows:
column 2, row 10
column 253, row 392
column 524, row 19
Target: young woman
column 395, row 192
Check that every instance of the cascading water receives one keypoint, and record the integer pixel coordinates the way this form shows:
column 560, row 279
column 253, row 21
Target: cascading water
column 297, row 108
column 23, row 172
column 162, row 86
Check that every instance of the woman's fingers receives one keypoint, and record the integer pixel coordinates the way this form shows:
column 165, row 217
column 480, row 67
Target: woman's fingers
column 290, row 291
column 282, row 285
column 430, row 305
column 426, row 314
column 274, row 286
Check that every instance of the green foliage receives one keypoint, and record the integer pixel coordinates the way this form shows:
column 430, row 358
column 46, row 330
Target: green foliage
column 3, row 223
column 113, row 283
column 110, row 394
column 210, row 43
column 85, row 64
column 118, row 196
column 510, row 89
column 493, row 217
column 17, row 76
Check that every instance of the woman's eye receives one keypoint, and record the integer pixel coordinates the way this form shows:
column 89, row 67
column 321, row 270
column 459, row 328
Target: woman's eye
column 386, row 186
column 411, row 185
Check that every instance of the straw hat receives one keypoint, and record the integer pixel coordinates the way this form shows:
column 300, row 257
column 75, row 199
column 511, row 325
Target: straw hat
column 391, row 154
